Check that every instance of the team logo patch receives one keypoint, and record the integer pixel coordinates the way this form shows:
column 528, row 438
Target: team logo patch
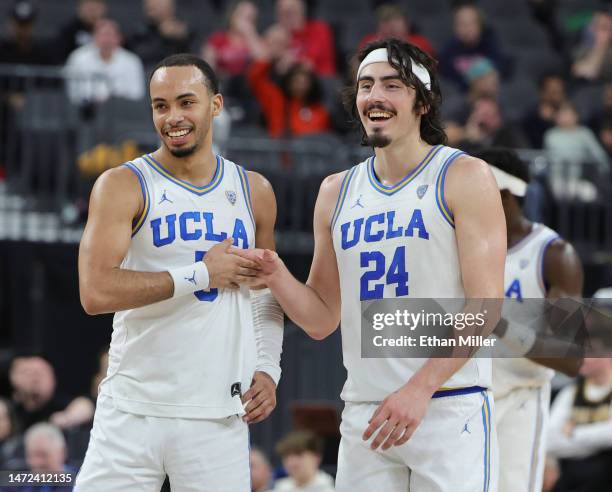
column 523, row 263
column 236, row 389
column 231, row 196
column 421, row 190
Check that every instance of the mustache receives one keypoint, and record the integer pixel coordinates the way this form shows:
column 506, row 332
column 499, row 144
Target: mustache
column 378, row 106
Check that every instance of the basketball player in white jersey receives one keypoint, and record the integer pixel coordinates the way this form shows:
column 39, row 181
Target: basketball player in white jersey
column 417, row 219
column 541, row 265
column 188, row 342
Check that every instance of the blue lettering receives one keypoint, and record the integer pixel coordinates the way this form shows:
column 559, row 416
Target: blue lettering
column 158, row 241
column 416, row 222
column 390, row 232
column 185, row 234
column 210, row 233
column 240, row 233
column 346, row 243
column 369, row 238
column 515, row 291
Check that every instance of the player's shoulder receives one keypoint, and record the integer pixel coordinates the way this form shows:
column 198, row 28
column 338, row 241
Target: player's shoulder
column 467, row 167
column 117, row 187
column 258, row 182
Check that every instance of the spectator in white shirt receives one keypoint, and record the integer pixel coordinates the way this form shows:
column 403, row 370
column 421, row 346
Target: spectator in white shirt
column 104, row 69
column 580, row 428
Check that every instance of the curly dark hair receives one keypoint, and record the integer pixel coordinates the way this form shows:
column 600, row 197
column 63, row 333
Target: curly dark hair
column 400, row 55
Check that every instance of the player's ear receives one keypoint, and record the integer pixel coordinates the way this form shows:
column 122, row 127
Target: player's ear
column 217, row 104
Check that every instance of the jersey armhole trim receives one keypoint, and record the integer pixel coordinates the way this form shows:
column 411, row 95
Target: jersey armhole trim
column 342, row 195
column 542, row 254
column 145, row 196
column 440, row 199
column 246, row 190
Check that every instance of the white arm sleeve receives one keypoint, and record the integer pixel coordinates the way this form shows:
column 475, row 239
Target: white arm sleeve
column 268, row 321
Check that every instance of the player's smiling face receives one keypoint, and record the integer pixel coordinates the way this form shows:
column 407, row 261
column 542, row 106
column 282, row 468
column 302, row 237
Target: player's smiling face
column 183, row 107
column 385, row 104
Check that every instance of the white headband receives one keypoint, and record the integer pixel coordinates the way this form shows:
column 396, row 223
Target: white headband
column 381, row 55
column 506, row 181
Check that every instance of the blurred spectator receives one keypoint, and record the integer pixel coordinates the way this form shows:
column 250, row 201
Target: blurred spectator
column 392, row 22
column 593, row 57
column 261, row 471
column 572, row 145
column 103, row 68
column 605, row 135
column 552, row 94
column 546, row 13
column 46, row 452
column 471, row 39
column 21, row 45
column 9, row 432
column 580, row 429
column 603, row 110
column 301, row 453
column 311, row 40
column 229, row 52
column 162, row 35
column 292, row 107
column 79, row 31
column 482, row 79
column 486, row 127
column 33, row 381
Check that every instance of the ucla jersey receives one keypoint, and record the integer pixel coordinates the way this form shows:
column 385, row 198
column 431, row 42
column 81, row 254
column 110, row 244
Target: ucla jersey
column 190, row 356
column 395, row 241
column 523, row 279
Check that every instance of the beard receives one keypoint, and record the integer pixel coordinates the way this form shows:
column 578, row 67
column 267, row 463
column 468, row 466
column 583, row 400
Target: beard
column 183, row 152
column 377, row 139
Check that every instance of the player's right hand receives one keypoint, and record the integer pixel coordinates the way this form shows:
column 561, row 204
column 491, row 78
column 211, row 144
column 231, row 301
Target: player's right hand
column 268, row 261
column 227, row 270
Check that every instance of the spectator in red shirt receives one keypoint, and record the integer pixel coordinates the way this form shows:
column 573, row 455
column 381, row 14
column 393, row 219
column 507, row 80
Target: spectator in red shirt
column 231, row 51
column 293, row 106
column 392, row 22
column 311, row 40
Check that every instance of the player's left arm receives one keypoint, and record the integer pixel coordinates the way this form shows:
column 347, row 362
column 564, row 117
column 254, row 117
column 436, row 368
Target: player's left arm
column 480, row 228
column 564, row 276
column 267, row 314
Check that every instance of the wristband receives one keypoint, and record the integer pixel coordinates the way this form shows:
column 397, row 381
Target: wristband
column 189, row 279
column 519, row 338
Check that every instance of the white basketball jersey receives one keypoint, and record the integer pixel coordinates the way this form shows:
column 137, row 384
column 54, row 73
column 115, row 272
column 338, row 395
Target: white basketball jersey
column 396, row 241
column 523, row 279
column 190, row 356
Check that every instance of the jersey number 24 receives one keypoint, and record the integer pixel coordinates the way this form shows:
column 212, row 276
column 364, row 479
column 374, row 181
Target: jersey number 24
column 376, row 263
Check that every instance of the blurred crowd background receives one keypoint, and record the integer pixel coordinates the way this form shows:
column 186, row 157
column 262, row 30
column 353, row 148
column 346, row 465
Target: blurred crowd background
column 532, row 75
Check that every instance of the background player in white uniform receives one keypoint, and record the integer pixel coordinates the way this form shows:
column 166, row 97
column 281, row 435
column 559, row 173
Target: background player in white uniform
column 539, row 264
column 422, row 220
column 186, row 344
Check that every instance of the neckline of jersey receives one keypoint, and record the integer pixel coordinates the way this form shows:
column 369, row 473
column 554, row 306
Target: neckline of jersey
column 535, row 228
column 390, row 190
column 198, row 190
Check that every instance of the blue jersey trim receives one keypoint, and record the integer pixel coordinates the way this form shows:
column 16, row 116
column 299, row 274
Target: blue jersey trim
column 342, row 195
column 198, row 190
column 541, row 279
column 440, row 200
column 458, row 391
column 390, row 190
column 145, row 196
column 246, row 190
column 486, row 422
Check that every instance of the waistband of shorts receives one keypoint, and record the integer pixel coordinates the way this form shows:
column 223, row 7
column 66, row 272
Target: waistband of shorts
column 458, row 391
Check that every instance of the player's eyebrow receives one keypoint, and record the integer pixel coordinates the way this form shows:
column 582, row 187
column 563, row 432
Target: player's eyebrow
column 384, row 78
column 179, row 97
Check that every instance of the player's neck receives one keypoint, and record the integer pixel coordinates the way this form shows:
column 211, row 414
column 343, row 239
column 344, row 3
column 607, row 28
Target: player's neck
column 518, row 228
column 198, row 168
column 398, row 159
